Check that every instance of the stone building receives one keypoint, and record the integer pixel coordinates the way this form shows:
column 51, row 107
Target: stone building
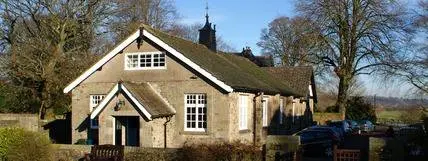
column 157, row 90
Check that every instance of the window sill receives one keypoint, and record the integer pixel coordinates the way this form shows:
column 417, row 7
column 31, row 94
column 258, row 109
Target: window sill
column 194, row 133
column 151, row 68
column 243, row 131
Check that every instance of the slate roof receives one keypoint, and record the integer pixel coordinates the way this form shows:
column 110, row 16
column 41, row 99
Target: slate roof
column 261, row 61
column 264, row 61
column 152, row 102
column 298, row 77
column 238, row 72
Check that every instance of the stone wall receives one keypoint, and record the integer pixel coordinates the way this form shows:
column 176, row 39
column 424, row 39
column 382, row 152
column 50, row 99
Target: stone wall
column 28, row 122
column 321, row 118
column 65, row 152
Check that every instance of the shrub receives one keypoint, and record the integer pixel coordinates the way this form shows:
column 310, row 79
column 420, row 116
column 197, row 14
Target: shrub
column 411, row 115
column 200, row 152
column 8, row 136
column 152, row 154
column 331, row 109
column 18, row 144
column 359, row 109
column 81, row 142
column 220, row 152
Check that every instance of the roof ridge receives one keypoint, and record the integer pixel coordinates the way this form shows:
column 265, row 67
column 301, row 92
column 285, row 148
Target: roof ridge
column 173, row 36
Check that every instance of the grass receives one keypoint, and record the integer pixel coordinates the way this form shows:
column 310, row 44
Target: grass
column 389, row 114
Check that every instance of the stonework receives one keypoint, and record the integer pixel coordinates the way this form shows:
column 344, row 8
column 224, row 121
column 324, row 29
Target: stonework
column 28, row 122
column 172, row 84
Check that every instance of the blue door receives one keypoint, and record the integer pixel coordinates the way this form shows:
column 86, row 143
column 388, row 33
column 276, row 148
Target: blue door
column 128, row 130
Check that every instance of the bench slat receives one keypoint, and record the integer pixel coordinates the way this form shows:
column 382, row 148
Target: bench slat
column 106, row 152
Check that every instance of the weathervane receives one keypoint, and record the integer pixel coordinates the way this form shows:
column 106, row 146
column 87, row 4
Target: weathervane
column 206, row 9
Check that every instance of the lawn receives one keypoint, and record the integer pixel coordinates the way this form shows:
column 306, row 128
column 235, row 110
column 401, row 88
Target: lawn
column 389, row 114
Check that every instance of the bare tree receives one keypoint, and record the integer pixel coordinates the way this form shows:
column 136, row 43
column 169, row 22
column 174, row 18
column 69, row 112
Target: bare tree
column 188, row 32
column 413, row 67
column 359, row 36
column 46, row 44
column 289, row 40
column 159, row 14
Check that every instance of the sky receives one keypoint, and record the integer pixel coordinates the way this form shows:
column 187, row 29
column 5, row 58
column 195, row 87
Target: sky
column 239, row 23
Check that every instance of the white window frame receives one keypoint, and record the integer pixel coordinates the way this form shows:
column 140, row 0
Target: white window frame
column 197, row 105
column 281, row 111
column 139, row 55
column 293, row 110
column 243, row 112
column 265, row 106
column 94, row 100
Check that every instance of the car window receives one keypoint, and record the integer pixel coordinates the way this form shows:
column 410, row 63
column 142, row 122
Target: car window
column 336, row 124
column 322, row 135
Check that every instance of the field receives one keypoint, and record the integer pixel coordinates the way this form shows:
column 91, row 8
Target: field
column 386, row 114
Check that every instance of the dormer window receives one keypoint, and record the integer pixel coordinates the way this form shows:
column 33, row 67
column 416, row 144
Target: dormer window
column 145, row 61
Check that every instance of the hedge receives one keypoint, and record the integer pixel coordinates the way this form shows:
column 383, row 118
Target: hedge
column 201, row 152
column 18, row 144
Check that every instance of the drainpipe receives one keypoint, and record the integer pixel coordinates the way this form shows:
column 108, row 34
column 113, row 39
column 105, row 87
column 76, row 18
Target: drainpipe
column 168, row 119
column 255, row 116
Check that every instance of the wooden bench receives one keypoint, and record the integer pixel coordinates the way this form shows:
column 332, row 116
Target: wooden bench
column 106, row 153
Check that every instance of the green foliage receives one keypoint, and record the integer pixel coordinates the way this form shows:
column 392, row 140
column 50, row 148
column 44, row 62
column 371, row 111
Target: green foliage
column 16, row 99
column 2, row 101
column 220, row 151
column 200, row 152
column 81, row 142
column 18, row 144
column 152, row 154
column 386, row 149
column 358, row 108
column 8, row 136
column 331, row 109
column 411, row 116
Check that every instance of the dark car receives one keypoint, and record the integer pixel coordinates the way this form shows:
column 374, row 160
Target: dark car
column 342, row 125
column 334, row 130
column 367, row 126
column 420, row 126
column 317, row 142
column 353, row 125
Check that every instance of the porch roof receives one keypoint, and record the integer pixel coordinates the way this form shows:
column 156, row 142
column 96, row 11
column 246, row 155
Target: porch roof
column 143, row 96
column 155, row 104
